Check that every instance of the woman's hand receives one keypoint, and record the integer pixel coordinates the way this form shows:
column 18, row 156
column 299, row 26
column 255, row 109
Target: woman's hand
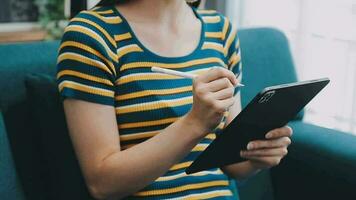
column 267, row 153
column 212, row 95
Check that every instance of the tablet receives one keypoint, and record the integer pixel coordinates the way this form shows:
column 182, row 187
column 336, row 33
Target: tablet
column 272, row 108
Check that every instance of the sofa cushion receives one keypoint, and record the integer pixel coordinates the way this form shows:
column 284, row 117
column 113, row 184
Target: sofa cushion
column 65, row 178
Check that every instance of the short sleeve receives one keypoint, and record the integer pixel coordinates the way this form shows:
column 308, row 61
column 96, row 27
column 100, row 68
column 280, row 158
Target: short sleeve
column 234, row 54
column 85, row 66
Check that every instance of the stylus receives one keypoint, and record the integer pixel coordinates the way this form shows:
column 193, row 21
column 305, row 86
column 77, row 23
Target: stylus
column 181, row 74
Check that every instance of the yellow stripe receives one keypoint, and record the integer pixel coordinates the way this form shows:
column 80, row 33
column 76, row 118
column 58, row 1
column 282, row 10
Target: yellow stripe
column 206, row 11
column 200, row 147
column 152, row 76
column 177, row 176
column 84, row 76
column 181, row 165
column 229, row 42
column 182, row 188
column 213, row 34
column 153, row 105
column 211, row 19
column 128, row 50
column 154, row 92
column 210, row 45
column 172, row 65
column 209, row 195
column 79, row 29
column 84, row 88
column 141, row 77
column 235, row 58
column 113, row 20
column 221, row 125
column 84, row 60
column 111, row 40
column 121, row 37
column 148, row 123
column 211, row 136
column 88, row 49
column 105, row 12
column 225, row 28
column 136, row 136
column 222, row 34
column 235, row 61
column 226, row 113
column 232, row 58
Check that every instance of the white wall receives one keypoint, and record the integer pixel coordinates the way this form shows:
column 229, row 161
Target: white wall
column 323, row 39
column 92, row 3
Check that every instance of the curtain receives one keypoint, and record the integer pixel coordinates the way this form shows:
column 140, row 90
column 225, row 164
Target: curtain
column 323, row 41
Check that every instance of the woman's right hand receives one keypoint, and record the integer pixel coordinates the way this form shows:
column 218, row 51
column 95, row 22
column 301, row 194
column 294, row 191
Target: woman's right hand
column 213, row 94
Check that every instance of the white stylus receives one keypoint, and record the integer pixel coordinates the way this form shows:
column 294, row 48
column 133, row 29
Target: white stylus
column 181, row 74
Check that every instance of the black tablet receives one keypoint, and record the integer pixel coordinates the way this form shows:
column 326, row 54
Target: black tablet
column 272, row 108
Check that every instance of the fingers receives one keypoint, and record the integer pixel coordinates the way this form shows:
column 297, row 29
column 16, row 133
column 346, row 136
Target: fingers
column 266, row 162
column 217, row 73
column 275, row 152
column 285, row 131
column 273, row 143
column 224, row 94
column 270, row 152
column 220, row 106
column 220, row 84
column 227, row 103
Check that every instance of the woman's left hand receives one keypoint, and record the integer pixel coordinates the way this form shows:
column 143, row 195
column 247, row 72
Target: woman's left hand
column 264, row 154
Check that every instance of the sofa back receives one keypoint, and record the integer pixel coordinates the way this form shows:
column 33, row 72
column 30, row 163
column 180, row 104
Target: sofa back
column 18, row 60
column 266, row 61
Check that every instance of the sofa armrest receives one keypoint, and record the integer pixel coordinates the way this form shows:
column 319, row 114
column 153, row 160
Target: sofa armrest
column 321, row 164
column 10, row 187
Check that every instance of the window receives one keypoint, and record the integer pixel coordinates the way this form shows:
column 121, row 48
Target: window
column 18, row 11
column 323, row 40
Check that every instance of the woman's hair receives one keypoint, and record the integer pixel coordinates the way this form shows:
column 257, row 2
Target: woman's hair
column 113, row 2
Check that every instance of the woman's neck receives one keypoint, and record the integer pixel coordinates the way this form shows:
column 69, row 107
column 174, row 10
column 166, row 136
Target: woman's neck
column 169, row 11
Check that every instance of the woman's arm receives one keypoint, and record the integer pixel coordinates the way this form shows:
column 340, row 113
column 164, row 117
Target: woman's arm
column 110, row 172
column 260, row 154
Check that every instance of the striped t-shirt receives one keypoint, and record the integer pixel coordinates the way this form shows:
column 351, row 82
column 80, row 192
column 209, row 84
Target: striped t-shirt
column 102, row 61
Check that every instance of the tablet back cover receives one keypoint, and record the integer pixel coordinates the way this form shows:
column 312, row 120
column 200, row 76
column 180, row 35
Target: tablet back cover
column 264, row 113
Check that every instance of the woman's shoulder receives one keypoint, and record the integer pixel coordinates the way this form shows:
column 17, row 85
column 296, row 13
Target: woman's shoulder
column 100, row 15
column 97, row 23
column 217, row 25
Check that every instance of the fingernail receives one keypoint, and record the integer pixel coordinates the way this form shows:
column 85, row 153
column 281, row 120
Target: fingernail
column 268, row 136
column 250, row 146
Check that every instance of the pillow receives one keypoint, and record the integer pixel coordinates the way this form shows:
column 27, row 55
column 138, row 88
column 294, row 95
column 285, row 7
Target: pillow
column 65, row 179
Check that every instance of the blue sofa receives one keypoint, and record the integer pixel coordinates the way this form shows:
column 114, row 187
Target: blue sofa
column 321, row 163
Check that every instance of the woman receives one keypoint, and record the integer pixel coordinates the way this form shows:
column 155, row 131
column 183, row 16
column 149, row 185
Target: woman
column 135, row 131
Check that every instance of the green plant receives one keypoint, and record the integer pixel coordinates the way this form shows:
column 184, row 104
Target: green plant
column 51, row 17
